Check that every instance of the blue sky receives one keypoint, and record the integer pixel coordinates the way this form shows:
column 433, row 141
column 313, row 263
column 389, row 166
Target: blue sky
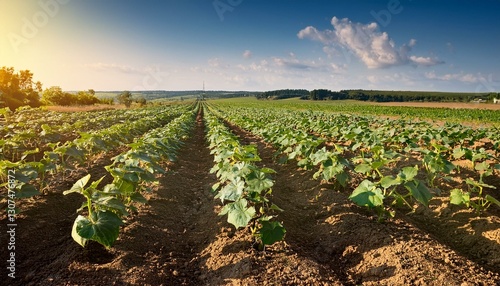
column 254, row 44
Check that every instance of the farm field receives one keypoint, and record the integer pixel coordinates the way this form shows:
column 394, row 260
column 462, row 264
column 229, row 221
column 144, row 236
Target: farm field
column 363, row 194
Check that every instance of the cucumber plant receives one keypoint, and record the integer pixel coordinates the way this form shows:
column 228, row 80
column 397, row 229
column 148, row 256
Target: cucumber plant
column 243, row 188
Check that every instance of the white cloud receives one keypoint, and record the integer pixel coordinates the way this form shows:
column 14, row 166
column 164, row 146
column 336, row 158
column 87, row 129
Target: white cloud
column 461, row 77
column 425, row 61
column 247, row 54
column 373, row 47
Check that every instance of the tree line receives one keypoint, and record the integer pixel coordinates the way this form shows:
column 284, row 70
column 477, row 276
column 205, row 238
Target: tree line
column 19, row 89
column 399, row 96
column 282, row 94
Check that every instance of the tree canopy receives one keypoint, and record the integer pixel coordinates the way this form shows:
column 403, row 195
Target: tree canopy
column 125, row 98
column 18, row 89
column 56, row 96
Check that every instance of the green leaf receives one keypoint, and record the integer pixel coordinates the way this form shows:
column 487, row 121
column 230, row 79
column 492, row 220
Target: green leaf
column 238, row 214
column 483, row 166
column 332, row 171
column 232, row 191
column 419, row 191
column 367, row 194
column 112, row 203
column 409, row 173
column 342, row 178
column 363, row 168
column 457, row 197
column 138, row 197
column 276, row 208
column 492, row 200
column 258, row 181
column 79, row 222
column 271, row 232
column 27, row 191
column 389, row 181
column 75, row 153
column 104, row 227
column 79, row 186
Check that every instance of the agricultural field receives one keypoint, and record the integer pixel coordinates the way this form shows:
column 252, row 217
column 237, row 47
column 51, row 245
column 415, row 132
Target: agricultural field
column 252, row 192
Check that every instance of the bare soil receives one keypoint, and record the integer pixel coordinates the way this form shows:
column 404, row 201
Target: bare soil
column 178, row 238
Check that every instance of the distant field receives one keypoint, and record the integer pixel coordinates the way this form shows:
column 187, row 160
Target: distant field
column 465, row 113
column 489, row 106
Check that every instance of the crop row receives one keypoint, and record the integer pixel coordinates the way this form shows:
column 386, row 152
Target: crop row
column 29, row 131
column 397, row 161
column 62, row 157
column 133, row 172
column 242, row 187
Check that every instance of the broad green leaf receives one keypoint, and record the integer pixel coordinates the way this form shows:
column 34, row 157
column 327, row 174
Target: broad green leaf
column 458, row 153
column 419, row 191
column 79, row 222
column 27, row 191
column 271, row 232
column 232, row 191
column 457, row 197
column 75, row 153
column 482, row 166
column 389, row 181
column 363, row 168
column 258, row 181
column 104, row 227
column 112, row 203
column 332, row 171
column 26, row 174
column 138, row 197
column 79, row 186
column 409, row 173
column 367, row 194
column 342, row 178
column 238, row 214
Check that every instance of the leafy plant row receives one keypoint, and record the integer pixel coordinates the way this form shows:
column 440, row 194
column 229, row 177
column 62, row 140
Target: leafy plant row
column 29, row 131
column 133, row 173
column 243, row 188
column 387, row 158
column 30, row 175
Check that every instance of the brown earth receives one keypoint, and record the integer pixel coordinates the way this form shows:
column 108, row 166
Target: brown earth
column 178, row 239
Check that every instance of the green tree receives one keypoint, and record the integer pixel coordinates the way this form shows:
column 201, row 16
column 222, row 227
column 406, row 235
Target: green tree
column 125, row 98
column 56, row 96
column 141, row 101
column 86, row 98
column 18, row 89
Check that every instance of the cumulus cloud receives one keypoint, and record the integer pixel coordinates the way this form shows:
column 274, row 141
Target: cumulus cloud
column 373, row 47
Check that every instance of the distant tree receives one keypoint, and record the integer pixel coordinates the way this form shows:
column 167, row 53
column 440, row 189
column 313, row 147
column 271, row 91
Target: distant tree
column 86, row 98
column 141, row 101
column 125, row 98
column 18, row 89
column 56, row 96
column 92, row 92
column 109, row 101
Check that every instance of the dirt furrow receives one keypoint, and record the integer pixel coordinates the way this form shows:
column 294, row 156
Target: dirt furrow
column 323, row 226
